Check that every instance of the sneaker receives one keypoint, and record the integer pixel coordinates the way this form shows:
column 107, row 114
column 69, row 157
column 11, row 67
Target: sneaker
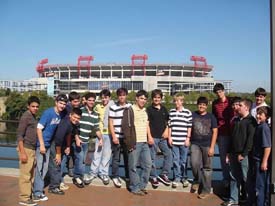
column 154, row 181
column 63, row 186
column 203, row 195
column 88, row 179
column 164, row 179
column 185, row 183
column 175, row 184
column 29, row 202
column 229, row 203
column 195, row 187
column 42, row 197
column 78, row 182
column 117, row 182
column 56, row 191
column 105, row 179
column 138, row 193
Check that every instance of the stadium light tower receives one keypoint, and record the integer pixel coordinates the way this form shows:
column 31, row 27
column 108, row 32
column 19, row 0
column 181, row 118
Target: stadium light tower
column 84, row 62
column 139, row 61
column 199, row 62
column 40, row 65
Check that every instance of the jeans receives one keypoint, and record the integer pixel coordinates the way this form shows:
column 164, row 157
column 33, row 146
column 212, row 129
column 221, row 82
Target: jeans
column 42, row 163
column 162, row 144
column 201, row 165
column 238, row 174
column 141, row 155
column 117, row 148
column 54, row 169
column 260, row 186
column 180, row 153
column 80, row 157
column 67, row 162
column 223, row 143
column 101, row 158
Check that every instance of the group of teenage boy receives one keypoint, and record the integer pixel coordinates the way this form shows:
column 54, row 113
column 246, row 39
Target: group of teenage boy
column 59, row 142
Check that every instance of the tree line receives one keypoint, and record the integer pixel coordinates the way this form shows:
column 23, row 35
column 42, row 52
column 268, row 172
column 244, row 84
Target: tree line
column 16, row 103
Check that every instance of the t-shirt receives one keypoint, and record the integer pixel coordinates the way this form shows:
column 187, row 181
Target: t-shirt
column 64, row 129
column 158, row 119
column 262, row 139
column 140, row 120
column 179, row 122
column 202, row 129
column 116, row 114
column 48, row 123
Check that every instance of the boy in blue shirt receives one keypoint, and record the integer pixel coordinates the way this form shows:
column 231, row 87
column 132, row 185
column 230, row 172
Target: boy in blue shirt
column 45, row 132
column 261, row 160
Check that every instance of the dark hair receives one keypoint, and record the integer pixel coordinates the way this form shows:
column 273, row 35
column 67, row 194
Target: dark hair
column 247, row 102
column 89, row 95
column 142, row 92
column 156, row 92
column 77, row 111
column 202, row 100
column 235, row 99
column 121, row 90
column 264, row 109
column 73, row 96
column 32, row 99
column 62, row 98
column 105, row 92
column 260, row 91
column 218, row 87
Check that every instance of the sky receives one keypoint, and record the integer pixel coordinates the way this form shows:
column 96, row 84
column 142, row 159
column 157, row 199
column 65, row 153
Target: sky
column 233, row 35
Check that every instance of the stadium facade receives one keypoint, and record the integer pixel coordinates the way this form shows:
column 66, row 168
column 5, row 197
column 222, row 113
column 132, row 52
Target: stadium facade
column 85, row 76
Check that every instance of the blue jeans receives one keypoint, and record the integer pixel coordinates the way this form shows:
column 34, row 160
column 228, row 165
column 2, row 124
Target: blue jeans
column 238, row 174
column 42, row 164
column 201, row 165
column 141, row 155
column 180, row 153
column 116, row 149
column 162, row 144
column 80, row 157
column 223, row 143
column 101, row 158
column 54, row 169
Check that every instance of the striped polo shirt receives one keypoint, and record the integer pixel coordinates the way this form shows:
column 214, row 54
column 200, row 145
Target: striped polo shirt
column 89, row 123
column 140, row 120
column 116, row 114
column 179, row 122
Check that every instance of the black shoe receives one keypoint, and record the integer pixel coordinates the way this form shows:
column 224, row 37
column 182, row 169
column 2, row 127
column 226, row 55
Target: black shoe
column 164, row 179
column 229, row 203
column 56, row 191
column 78, row 182
column 144, row 191
column 154, row 181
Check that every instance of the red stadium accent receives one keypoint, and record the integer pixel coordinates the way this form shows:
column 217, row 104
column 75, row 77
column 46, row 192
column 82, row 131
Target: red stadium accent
column 40, row 65
column 84, row 62
column 199, row 62
column 139, row 61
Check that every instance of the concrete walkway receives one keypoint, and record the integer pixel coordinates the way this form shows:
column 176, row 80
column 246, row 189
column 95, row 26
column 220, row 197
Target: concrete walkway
column 99, row 195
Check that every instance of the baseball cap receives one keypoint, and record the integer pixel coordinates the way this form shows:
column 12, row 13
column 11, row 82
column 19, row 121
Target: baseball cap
column 61, row 97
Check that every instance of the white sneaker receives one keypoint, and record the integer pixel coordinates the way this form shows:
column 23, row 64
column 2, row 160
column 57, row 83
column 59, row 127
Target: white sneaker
column 63, row 186
column 175, row 184
column 117, row 182
column 185, row 183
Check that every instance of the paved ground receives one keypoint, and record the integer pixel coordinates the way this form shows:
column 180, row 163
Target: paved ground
column 99, row 195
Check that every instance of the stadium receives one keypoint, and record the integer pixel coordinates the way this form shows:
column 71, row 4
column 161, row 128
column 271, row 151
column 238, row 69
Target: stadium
column 86, row 76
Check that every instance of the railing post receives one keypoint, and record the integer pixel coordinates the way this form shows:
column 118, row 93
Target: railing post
column 272, row 40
